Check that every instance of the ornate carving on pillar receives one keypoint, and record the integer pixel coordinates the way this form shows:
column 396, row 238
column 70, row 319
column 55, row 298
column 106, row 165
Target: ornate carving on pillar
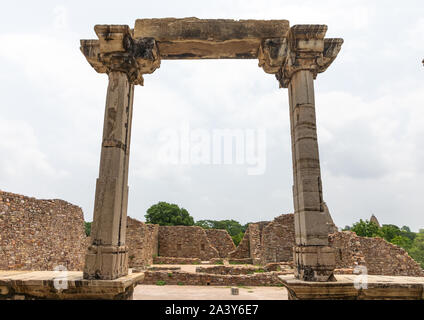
column 304, row 49
column 117, row 50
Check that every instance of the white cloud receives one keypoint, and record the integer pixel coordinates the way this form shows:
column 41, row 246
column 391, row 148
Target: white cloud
column 368, row 109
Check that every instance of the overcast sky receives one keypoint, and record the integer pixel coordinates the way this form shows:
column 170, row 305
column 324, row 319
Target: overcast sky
column 370, row 111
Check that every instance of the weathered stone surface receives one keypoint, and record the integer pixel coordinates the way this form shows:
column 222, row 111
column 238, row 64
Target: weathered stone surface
column 278, row 240
column 193, row 38
column 117, row 50
column 35, row 285
column 379, row 256
column 205, row 279
column 377, row 288
column 176, row 260
column 107, row 257
column 142, row 241
column 221, row 241
column 40, row 234
column 185, row 242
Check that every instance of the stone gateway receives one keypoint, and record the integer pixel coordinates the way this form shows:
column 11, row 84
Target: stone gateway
column 295, row 55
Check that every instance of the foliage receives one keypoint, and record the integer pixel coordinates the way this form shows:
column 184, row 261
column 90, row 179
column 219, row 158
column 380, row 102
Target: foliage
column 87, row 226
column 367, row 229
column 160, row 283
column 237, row 238
column 417, row 248
column 402, row 242
column 166, row 214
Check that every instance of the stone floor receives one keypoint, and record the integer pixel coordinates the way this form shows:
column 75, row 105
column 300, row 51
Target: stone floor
column 354, row 287
column 171, row 292
column 20, row 285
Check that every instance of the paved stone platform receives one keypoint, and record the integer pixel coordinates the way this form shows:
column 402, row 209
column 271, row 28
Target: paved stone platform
column 175, row 292
column 377, row 288
column 28, row 285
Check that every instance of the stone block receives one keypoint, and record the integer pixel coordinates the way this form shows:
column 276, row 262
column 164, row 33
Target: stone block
column 314, row 263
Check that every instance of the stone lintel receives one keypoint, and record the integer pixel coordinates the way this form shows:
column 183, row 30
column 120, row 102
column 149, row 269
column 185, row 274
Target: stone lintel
column 212, row 30
column 281, row 50
column 193, row 38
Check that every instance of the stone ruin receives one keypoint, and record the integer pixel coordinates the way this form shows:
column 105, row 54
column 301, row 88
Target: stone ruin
column 150, row 243
column 294, row 55
column 266, row 242
column 40, row 234
column 44, row 234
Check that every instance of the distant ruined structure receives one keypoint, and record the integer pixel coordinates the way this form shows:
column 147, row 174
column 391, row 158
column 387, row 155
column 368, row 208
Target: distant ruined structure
column 273, row 241
column 44, row 234
column 374, row 220
column 146, row 241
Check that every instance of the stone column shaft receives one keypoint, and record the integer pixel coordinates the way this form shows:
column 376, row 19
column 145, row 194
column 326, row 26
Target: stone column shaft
column 314, row 260
column 107, row 256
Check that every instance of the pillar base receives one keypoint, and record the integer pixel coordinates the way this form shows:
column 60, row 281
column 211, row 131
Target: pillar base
column 106, row 262
column 314, row 263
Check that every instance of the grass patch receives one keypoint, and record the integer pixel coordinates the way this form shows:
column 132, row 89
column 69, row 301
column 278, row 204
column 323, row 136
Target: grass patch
column 180, row 283
column 160, row 283
column 170, row 274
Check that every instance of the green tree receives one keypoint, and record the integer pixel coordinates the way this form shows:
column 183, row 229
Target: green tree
column 417, row 249
column 390, row 231
column 237, row 238
column 406, row 232
column 402, row 242
column 166, row 214
column 87, row 226
column 366, row 229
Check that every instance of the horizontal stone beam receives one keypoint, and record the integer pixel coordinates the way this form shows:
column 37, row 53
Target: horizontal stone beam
column 192, row 38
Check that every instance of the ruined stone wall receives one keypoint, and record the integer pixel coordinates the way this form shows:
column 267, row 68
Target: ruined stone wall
column 348, row 249
column 221, row 240
column 206, row 279
column 40, row 234
column 243, row 249
column 278, row 239
column 142, row 242
column 255, row 240
column 185, row 242
column 384, row 258
column 379, row 256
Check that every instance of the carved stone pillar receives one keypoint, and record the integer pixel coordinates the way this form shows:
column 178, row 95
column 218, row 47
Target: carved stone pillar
column 296, row 62
column 124, row 60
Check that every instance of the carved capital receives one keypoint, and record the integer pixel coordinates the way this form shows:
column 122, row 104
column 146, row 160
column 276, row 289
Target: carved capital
column 272, row 54
column 332, row 47
column 304, row 49
column 117, row 50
